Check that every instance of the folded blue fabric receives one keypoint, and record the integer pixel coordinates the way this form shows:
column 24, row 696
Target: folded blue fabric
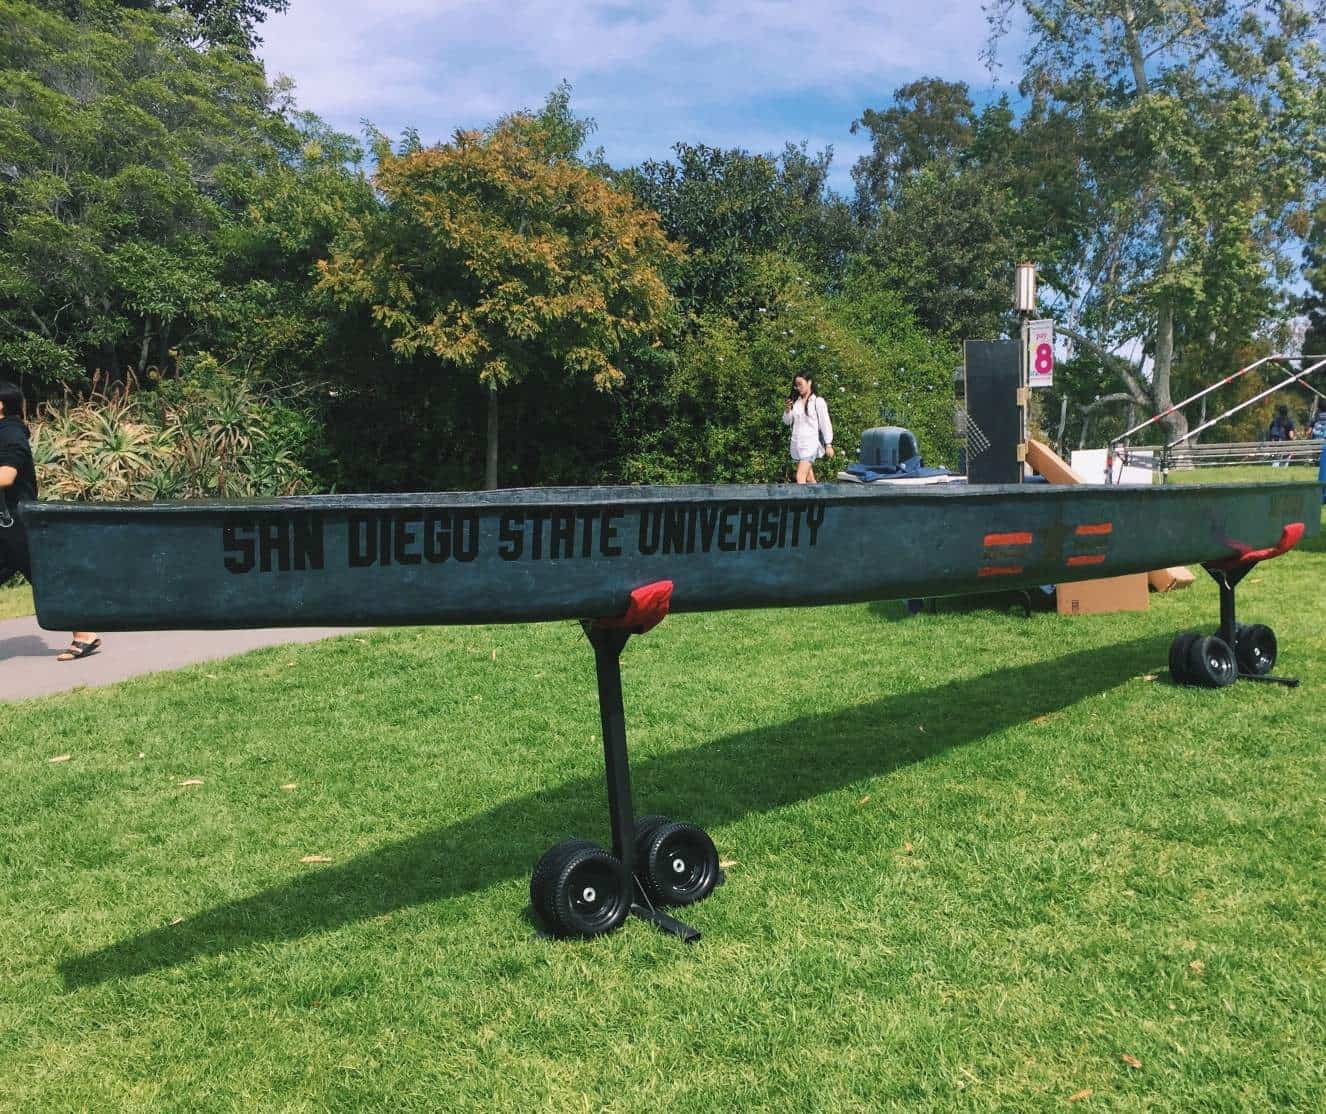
column 911, row 469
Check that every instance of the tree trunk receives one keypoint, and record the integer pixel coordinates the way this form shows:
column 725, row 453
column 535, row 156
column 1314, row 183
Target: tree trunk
column 490, row 472
column 1176, row 423
column 113, row 372
column 142, row 347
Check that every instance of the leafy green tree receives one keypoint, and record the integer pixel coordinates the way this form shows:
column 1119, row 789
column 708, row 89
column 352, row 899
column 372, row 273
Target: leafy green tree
column 728, row 207
column 497, row 257
column 1197, row 138
column 938, row 193
column 929, row 120
column 231, row 23
column 124, row 154
column 1314, row 269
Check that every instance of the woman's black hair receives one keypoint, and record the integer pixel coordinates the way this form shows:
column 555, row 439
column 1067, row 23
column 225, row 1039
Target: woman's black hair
column 797, row 394
column 11, row 398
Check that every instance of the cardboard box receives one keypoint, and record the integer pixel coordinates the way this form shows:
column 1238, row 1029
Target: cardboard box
column 1167, row 580
column 1096, row 597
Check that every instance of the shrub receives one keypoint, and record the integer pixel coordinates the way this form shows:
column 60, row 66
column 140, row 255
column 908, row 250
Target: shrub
column 208, row 432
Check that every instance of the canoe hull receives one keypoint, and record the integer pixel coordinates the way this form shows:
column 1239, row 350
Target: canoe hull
column 560, row 553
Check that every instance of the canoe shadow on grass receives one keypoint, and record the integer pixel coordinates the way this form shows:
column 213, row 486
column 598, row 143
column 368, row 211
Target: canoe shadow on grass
column 711, row 784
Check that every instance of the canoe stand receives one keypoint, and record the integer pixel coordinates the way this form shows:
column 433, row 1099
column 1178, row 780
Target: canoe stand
column 1236, row 651
column 577, row 888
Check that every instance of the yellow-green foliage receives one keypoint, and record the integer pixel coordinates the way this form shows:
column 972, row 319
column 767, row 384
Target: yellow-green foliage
column 496, row 256
column 207, row 434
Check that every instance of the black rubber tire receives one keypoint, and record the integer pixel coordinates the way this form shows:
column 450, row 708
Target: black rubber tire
column 1178, row 657
column 547, row 869
column 677, row 864
column 645, row 826
column 1211, row 663
column 587, row 897
column 1256, row 649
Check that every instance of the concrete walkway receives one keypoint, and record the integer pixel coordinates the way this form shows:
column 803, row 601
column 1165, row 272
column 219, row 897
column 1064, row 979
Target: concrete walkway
column 28, row 666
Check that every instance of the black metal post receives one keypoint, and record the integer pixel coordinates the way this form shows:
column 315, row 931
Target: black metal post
column 1226, row 609
column 608, row 644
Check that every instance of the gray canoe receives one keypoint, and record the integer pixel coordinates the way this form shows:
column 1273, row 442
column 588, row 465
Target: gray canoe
column 565, row 553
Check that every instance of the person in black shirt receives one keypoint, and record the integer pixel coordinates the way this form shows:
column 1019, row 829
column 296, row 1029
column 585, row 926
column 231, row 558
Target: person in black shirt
column 18, row 481
column 1282, row 425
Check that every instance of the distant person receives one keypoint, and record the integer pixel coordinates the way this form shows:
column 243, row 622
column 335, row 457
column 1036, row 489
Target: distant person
column 18, row 481
column 812, row 431
column 1317, row 427
column 1282, row 425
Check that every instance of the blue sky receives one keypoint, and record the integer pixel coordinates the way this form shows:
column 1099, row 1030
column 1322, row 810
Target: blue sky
column 745, row 73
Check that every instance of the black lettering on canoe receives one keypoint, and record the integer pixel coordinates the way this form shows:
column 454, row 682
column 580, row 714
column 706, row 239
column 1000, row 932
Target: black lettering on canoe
column 768, row 527
column 608, row 544
column 587, row 517
column 465, row 534
column 692, row 514
column 674, row 529
column 750, row 528
column 726, row 544
column 437, row 536
column 795, row 514
column 536, row 520
column 708, row 521
column 306, row 531
column 403, row 538
column 238, row 546
column 384, row 540
column 273, row 545
column 562, row 539
column 511, row 536
column 651, row 527
column 362, row 541
column 814, row 519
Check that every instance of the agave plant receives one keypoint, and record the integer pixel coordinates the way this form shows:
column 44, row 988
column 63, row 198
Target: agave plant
column 213, row 436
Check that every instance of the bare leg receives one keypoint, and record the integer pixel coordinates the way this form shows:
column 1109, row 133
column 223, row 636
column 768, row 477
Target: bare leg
column 805, row 473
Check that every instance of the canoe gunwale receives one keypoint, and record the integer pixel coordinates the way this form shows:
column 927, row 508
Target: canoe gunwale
column 637, row 496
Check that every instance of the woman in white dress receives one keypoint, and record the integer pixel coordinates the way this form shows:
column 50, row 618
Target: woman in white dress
column 812, row 432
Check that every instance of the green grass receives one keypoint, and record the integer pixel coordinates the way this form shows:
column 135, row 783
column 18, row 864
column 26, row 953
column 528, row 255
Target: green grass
column 1245, row 473
column 976, row 861
column 15, row 600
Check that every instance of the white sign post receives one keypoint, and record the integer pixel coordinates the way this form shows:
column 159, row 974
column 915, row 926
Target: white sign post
column 1040, row 353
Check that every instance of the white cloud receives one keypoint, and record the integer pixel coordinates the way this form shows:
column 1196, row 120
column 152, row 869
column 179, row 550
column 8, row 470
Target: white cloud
column 751, row 73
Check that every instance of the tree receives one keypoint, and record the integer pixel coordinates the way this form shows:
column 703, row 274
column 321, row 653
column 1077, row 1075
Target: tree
column 231, row 23
column 124, row 153
column 929, row 120
column 938, row 193
column 1314, row 270
column 1196, row 138
column 498, row 256
column 728, row 207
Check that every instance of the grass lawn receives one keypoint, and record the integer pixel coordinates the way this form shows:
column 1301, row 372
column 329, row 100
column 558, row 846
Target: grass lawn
column 977, row 862
column 15, row 600
column 1245, row 474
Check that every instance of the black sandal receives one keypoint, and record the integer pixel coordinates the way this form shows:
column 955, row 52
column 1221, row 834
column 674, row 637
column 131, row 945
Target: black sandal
column 79, row 650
